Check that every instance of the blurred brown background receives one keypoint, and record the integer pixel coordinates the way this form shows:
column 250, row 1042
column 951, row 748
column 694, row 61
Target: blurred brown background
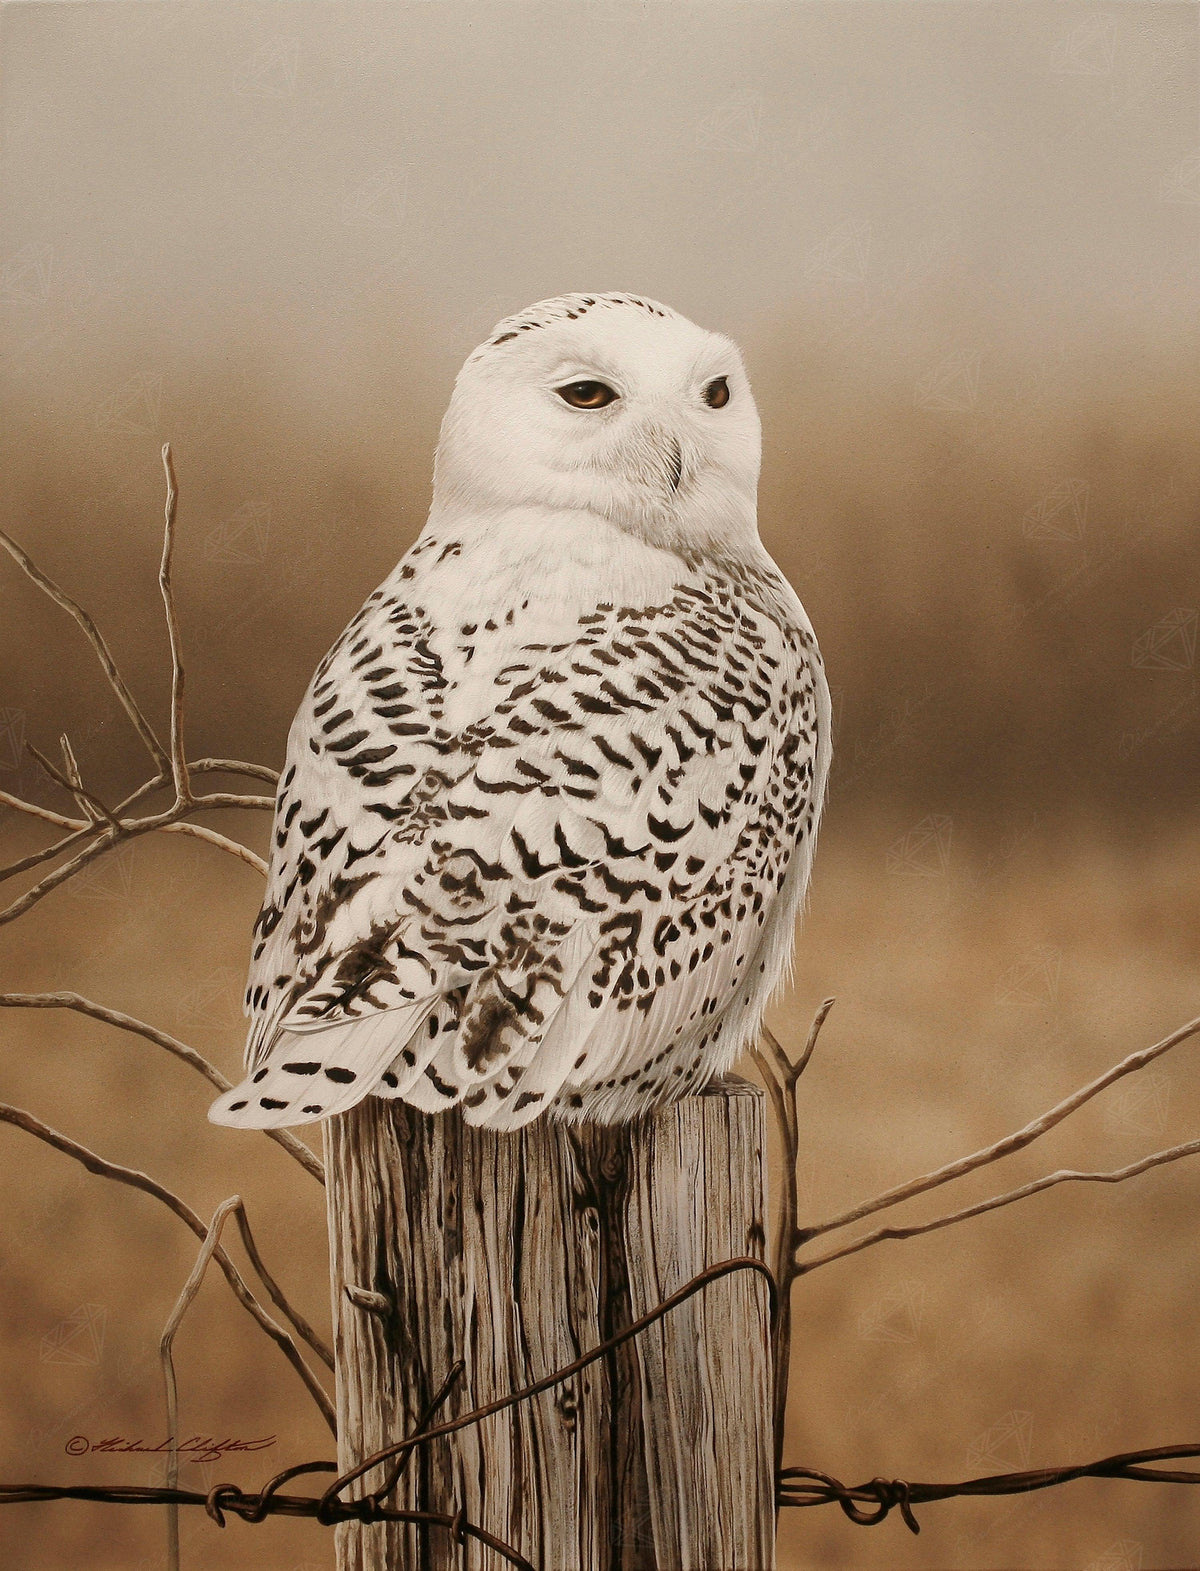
column 958, row 245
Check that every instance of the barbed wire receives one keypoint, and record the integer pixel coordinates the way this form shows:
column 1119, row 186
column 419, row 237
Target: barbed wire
column 803, row 1486
column 866, row 1504
column 257, row 1507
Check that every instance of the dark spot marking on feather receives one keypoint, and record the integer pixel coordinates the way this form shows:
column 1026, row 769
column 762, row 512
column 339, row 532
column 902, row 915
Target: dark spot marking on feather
column 481, row 1040
column 440, row 1085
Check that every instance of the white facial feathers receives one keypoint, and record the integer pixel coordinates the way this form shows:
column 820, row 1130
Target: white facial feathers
column 671, row 455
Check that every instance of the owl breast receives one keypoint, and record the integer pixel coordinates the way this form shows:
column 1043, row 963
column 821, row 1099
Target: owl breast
column 534, row 859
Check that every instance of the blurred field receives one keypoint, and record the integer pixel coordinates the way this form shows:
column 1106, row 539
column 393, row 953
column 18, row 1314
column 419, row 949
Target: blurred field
column 1005, row 594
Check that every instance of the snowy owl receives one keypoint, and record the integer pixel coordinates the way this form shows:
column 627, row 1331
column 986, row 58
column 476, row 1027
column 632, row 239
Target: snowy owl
column 549, row 807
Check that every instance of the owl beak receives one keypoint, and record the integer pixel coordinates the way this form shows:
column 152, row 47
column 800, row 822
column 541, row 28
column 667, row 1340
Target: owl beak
column 676, row 463
column 659, row 460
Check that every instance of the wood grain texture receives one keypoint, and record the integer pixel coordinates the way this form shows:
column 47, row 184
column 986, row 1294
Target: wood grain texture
column 517, row 1253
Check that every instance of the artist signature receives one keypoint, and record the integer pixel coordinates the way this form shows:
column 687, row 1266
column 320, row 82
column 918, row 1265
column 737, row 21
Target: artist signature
column 198, row 1448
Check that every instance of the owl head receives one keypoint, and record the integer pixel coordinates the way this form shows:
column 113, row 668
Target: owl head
column 609, row 405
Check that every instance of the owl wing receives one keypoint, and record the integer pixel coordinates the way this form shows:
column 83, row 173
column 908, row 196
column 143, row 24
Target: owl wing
column 481, row 916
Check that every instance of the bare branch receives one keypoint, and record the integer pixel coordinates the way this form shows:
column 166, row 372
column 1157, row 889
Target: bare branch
column 215, row 799
column 222, row 842
column 130, row 1176
column 81, row 832
column 114, row 1017
column 231, row 766
column 179, row 768
column 165, row 1346
column 794, row 1071
column 780, row 1077
column 231, row 1207
column 1064, row 1176
column 105, row 841
column 318, row 1344
column 95, row 638
column 131, row 827
column 1014, row 1142
column 49, row 816
column 71, row 769
column 91, row 805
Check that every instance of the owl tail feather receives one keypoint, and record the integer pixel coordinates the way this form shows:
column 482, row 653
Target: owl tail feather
column 313, row 1074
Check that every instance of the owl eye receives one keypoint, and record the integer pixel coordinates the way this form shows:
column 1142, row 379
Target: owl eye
column 587, row 395
column 716, row 394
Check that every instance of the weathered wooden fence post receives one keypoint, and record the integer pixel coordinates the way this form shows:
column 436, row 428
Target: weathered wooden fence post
column 517, row 1253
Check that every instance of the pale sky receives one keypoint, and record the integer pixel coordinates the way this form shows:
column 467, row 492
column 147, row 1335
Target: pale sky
column 186, row 173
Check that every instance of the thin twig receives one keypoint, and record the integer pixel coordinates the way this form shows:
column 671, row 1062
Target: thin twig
column 123, row 1022
column 814, row 1030
column 95, row 638
column 179, row 769
column 130, row 828
column 1001, row 1148
column 317, row 1342
column 91, row 805
column 1063, row 1176
column 781, row 1077
column 233, row 766
column 105, row 841
column 165, row 1352
column 222, row 843
column 71, row 770
column 214, row 799
column 49, row 816
column 126, row 1175
column 81, row 830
